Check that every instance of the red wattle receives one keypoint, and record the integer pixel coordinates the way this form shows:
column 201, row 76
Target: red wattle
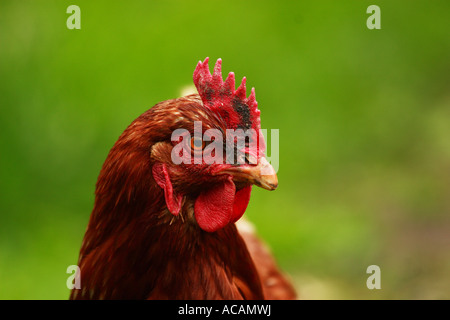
column 214, row 207
column 221, row 205
column 241, row 200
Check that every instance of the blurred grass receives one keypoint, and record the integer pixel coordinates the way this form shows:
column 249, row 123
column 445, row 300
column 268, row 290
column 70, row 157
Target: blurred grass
column 364, row 119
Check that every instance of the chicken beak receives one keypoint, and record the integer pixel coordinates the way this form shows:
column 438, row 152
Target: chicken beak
column 262, row 175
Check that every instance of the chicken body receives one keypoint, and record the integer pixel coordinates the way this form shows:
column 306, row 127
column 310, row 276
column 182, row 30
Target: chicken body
column 165, row 231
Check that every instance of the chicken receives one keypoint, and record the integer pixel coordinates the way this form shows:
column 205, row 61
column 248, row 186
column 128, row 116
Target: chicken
column 163, row 222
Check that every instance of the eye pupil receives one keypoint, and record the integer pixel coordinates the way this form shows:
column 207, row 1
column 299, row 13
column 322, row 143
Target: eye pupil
column 197, row 143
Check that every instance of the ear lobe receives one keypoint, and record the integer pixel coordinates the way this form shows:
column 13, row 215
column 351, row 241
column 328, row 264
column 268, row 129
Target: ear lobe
column 162, row 178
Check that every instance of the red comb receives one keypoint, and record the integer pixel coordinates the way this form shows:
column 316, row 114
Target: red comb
column 233, row 105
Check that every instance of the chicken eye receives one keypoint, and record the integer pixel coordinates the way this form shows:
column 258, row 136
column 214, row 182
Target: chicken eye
column 197, row 144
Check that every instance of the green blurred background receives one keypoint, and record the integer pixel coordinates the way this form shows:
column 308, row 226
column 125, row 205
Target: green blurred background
column 364, row 120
